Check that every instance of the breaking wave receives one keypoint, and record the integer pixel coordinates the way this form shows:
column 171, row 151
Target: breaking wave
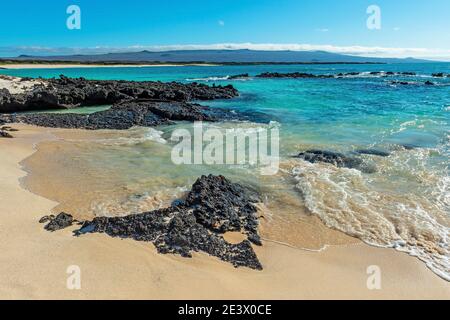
column 405, row 206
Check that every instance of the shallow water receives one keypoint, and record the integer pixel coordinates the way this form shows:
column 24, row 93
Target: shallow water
column 405, row 204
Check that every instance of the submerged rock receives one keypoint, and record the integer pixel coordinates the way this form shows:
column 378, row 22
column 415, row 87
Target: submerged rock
column 65, row 93
column 300, row 75
column 239, row 76
column 335, row 158
column 403, row 83
column 373, row 152
column 293, row 75
column 213, row 207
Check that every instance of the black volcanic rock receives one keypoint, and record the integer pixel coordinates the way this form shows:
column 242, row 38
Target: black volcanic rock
column 213, row 207
column 239, row 76
column 438, row 75
column 301, row 75
column 217, row 205
column 123, row 116
column 65, row 93
column 408, row 73
column 5, row 131
column 340, row 160
column 403, row 83
column 61, row 221
column 374, row 152
column 294, row 75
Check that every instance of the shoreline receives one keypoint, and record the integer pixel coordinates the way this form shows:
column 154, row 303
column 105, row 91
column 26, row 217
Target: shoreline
column 34, row 262
column 74, row 66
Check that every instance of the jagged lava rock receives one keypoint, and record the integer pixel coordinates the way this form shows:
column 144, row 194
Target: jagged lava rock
column 213, row 207
column 340, row 160
column 64, row 93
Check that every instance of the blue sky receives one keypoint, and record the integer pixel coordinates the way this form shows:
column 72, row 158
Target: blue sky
column 339, row 25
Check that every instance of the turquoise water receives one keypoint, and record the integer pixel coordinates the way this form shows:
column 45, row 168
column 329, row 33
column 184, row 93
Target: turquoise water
column 405, row 205
column 360, row 110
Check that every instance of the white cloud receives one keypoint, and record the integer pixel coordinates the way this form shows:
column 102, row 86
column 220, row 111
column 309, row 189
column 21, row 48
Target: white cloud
column 382, row 52
column 323, row 30
column 221, row 23
column 396, row 29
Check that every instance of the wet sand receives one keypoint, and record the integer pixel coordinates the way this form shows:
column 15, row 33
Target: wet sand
column 33, row 263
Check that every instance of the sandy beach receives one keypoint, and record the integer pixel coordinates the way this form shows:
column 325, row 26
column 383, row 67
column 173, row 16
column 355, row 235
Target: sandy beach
column 34, row 262
column 68, row 65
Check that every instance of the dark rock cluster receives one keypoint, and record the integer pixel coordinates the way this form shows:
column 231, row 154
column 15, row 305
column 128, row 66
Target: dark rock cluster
column 300, row 75
column 440, row 75
column 64, row 93
column 337, row 159
column 405, row 83
column 239, row 76
column 61, row 221
column 213, row 207
column 5, row 131
column 293, row 75
column 373, row 152
column 123, row 116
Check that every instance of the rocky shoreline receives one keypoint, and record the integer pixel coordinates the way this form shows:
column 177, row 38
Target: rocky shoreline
column 67, row 93
column 212, row 208
column 124, row 116
column 134, row 103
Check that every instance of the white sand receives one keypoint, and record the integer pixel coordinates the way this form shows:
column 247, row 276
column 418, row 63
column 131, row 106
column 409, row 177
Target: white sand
column 15, row 85
column 33, row 262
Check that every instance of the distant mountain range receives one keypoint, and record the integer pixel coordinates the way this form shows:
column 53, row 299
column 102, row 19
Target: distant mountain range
column 215, row 56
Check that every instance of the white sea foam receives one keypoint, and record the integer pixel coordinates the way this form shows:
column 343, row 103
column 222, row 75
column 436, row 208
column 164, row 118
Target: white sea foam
column 405, row 206
column 138, row 137
column 209, row 79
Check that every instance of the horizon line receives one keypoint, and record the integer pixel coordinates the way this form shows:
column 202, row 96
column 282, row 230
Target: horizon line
column 354, row 50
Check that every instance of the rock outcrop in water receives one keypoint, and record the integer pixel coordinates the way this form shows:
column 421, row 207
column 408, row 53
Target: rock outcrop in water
column 406, row 83
column 124, row 115
column 293, row 75
column 373, row 152
column 239, row 76
column 65, row 93
column 301, row 75
column 340, row 160
column 213, row 207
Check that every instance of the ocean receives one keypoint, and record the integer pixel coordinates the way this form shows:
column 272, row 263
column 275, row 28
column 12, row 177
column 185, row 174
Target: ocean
column 404, row 205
